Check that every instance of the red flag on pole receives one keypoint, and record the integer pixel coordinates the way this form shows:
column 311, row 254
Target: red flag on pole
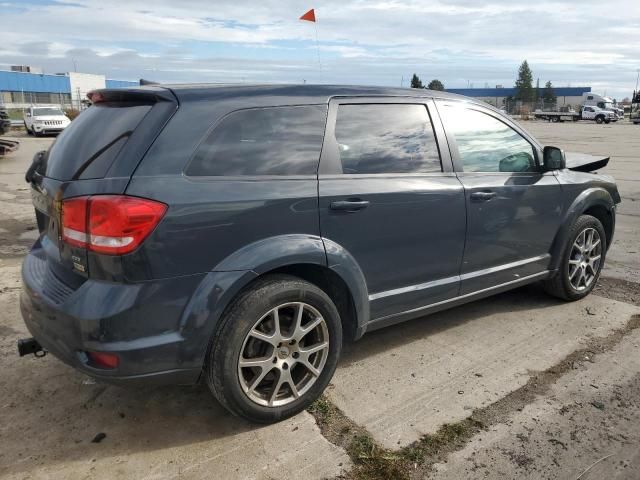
column 310, row 16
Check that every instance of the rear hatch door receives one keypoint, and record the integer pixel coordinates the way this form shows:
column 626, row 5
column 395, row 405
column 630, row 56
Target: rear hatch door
column 96, row 154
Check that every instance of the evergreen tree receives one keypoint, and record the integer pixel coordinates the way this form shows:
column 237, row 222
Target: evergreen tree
column 416, row 82
column 549, row 96
column 524, row 84
column 435, row 84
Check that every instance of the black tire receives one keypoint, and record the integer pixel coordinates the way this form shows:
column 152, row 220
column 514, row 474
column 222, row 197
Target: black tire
column 221, row 368
column 555, row 119
column 599, row 120
column 29, row 132
column 560, row 285
column 607, row 121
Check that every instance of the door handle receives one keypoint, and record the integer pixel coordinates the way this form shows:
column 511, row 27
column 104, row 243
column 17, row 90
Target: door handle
column 349, row 205
column 482, row 196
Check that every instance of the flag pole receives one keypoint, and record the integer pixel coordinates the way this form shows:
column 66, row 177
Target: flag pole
column 310, row 16
column 315, row 24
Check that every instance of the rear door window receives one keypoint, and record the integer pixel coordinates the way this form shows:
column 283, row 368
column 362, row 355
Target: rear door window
column 88, row 146
column 263, row 141
column 386, row 138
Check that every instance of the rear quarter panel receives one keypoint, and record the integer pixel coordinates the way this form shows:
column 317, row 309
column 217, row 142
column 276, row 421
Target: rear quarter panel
column 210, row 218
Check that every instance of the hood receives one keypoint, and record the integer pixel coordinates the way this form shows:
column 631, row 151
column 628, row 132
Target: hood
column 50, row 117
column 581, row 162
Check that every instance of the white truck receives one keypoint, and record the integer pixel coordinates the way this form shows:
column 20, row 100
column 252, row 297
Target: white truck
column 42, row 120
column 600, row 101
column 595, row 114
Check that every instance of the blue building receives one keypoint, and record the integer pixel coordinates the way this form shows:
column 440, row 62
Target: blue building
column 23, row 89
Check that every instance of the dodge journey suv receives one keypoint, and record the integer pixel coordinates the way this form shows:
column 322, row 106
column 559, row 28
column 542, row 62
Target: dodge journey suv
column 239, row 234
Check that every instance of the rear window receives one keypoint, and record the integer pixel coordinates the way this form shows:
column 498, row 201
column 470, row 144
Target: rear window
column 88, row 146
column 263, row 141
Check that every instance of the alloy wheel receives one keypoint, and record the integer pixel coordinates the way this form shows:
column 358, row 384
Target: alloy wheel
column 283, row 354
column 584, row 259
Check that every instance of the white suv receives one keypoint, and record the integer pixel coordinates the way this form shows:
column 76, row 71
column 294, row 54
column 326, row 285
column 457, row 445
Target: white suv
column 41, row 120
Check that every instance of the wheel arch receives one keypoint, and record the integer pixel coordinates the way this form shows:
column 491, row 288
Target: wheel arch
column 303, row 256
column 317, row 260
column 593, row 201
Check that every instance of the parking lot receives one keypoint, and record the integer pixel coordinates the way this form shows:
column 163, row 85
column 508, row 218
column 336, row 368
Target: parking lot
column 518, row 385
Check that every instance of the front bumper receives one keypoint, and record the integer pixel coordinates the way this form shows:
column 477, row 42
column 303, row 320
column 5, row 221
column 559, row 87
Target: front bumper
column 47, row 128
column 141, row 323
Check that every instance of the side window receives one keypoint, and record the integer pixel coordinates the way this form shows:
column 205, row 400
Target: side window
column 486, row 144
column 263, row 141
column 386, row 138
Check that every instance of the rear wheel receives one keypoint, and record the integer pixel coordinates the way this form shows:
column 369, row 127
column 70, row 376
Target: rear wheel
column 582, row 261
column 275, row 350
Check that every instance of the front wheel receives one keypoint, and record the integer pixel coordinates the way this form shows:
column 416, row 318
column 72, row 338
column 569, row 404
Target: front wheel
column 582, row 260
column 599, row 120
column 276, row 349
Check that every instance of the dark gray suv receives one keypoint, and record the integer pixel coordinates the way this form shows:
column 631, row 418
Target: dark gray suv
column 238, row 234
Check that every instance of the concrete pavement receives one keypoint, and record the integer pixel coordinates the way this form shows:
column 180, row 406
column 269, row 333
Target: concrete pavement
column 398, row 383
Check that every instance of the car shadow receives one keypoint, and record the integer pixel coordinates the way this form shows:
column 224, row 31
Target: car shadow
column 521, row 299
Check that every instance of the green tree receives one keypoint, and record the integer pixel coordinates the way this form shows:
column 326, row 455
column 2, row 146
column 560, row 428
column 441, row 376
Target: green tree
column 549, row 97
column 524, row 84
column 435, row 84
column 416, row 82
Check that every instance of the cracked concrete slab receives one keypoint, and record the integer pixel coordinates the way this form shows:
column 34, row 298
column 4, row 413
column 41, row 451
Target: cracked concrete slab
column 586, row 425
column 406, row 381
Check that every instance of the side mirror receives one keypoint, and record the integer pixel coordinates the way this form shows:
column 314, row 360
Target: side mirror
column 553, row 158
column 518, row 162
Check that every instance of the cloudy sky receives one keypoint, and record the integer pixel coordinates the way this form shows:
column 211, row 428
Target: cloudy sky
column 370, row 42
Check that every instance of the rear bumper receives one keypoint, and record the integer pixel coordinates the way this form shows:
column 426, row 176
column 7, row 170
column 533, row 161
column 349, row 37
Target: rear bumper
column 142, row 323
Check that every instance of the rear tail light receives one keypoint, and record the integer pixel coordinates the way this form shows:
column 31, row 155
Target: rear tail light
column 110, row 224
column 103, row 360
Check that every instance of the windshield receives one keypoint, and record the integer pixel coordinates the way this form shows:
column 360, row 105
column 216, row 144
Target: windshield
column 40, row 112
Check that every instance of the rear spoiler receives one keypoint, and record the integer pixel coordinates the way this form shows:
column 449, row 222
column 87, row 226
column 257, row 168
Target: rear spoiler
column 146, row 94
column 581, row 162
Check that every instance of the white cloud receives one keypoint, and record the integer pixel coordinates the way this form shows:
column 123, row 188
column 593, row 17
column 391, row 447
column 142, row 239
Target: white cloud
column 373, row 42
